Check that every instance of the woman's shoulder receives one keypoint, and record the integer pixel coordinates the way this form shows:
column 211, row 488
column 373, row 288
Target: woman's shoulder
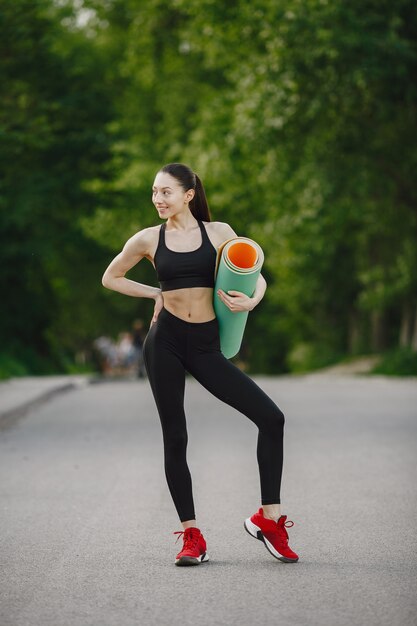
column 144, row 239
column 222, row 229
column 149, row 233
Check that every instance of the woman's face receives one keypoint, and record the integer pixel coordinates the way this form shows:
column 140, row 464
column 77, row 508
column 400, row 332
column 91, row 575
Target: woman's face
column 168, row 196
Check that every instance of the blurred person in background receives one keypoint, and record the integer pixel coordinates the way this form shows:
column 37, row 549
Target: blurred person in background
column 105, row 354
column 138, row 332
column 126, row 353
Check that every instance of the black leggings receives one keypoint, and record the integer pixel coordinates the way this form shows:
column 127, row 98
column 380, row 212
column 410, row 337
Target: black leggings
column 173, row 346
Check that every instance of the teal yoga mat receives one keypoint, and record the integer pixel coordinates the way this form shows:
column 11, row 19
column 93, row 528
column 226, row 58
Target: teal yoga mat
column 239, row 263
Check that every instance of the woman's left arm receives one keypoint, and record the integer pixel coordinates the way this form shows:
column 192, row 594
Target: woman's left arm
column 238, row 301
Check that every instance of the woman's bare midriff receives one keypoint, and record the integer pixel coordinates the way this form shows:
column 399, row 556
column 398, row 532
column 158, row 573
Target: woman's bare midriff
column 193, row 304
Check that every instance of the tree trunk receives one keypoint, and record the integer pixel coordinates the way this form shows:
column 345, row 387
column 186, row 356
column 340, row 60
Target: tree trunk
column 378, row 338
column 414, row 334
column 406, row 327
column 354, row 332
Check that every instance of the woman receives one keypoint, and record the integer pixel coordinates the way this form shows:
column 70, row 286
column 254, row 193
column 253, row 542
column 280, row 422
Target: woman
column 184, row 335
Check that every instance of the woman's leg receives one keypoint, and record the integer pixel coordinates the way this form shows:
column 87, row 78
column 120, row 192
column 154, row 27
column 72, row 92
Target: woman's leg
column 167, row 379
column 228, row 383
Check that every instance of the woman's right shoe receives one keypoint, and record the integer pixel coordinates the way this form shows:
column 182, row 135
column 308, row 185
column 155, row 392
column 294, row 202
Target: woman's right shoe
column 273, row 534
column 194, row 548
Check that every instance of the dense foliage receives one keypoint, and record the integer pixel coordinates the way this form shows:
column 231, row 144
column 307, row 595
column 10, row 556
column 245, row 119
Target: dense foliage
column 300, row 117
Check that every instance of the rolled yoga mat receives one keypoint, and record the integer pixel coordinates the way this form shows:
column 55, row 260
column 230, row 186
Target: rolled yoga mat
column 239, row 263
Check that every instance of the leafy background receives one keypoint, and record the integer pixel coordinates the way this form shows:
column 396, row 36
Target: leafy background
column 299, row 116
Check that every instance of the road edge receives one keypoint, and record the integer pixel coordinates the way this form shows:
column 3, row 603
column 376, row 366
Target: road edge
column 8, row 416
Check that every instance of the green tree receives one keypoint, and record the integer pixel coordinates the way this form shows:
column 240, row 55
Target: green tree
column 299, row 117
column 53, row 119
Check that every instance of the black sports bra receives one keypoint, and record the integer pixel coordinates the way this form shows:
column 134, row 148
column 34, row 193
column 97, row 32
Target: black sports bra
column 178, row 270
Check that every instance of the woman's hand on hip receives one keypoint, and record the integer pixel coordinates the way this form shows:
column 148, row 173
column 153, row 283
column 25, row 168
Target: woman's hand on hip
column 236, row 300
column 159, row 304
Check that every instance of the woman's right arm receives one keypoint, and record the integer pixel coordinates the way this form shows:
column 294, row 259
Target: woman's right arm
column 133, row 251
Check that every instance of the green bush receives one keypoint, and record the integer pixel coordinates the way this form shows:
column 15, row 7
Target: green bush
column 305, row 357
column 9, row 367
column 399, row 362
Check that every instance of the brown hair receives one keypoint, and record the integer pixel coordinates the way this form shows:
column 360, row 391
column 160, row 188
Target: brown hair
column 189, row 180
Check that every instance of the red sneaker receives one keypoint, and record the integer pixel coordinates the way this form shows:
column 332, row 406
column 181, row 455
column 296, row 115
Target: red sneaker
column 273, row 534
column 194, row 549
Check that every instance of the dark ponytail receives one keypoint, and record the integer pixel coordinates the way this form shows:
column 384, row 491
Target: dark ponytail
column 189, row 180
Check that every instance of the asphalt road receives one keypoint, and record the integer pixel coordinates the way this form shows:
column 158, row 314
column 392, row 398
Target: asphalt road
column 86, row 518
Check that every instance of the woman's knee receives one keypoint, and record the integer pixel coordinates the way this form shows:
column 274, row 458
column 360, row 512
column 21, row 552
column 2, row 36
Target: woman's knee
column 274, row 423
column 175, row 443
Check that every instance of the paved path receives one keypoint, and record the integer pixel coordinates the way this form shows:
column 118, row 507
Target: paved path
column 19, row 395
column 86, row 517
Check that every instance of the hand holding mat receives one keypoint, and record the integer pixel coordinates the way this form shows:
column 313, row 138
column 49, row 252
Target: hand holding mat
column 239, row 263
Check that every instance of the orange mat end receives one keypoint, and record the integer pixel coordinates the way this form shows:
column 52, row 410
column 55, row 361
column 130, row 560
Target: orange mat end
column 242, row 255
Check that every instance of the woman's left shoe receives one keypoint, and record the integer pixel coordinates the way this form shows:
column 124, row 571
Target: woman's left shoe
column 194, row 549
column 273, row 534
